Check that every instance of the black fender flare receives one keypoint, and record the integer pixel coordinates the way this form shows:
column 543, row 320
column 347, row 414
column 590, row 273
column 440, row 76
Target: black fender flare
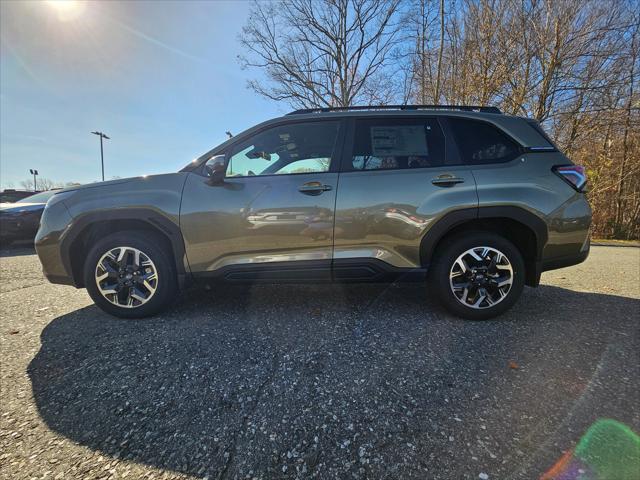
column 458, row 217
column 151, row 218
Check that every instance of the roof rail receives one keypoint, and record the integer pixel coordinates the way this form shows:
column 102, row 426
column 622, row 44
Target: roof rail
column 465, row 108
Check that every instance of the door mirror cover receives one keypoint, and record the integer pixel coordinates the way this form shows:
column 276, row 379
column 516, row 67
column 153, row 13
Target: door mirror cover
column 215, row 169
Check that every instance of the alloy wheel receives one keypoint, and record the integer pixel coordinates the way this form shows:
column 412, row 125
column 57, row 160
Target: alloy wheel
column 126, row 277
column 481, row 277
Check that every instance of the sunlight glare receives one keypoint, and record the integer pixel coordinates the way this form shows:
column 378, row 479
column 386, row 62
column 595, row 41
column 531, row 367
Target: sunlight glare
column 67, row 9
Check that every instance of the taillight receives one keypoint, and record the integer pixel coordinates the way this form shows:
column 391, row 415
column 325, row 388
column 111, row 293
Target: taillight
column 574, row 175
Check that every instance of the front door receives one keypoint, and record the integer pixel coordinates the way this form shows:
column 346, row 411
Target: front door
column 272, row 216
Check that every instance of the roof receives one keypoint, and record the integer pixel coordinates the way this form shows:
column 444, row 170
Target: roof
column 404, row 107
column 515, row 126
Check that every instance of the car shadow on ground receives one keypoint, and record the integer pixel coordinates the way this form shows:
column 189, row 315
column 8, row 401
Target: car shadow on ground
column 333, row 381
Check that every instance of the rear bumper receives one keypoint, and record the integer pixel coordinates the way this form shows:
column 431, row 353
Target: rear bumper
column 564, row 261
column 561, row 262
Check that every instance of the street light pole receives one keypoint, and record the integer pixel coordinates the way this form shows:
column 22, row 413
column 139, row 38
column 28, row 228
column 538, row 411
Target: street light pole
column 101, row 135
column 34, row 173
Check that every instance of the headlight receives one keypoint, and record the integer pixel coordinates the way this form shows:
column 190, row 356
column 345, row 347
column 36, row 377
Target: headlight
column 57, row 198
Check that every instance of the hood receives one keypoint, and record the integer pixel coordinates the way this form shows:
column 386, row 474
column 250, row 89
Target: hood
column 99, row 184
column 109, row 183
column 20, row 207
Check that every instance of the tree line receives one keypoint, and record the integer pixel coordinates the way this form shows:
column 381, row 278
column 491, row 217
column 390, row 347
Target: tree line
column 571, row 64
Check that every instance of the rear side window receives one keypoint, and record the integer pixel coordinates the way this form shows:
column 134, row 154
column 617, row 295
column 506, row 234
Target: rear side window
column 388, row 143
column 480, row 142
column 538, row 128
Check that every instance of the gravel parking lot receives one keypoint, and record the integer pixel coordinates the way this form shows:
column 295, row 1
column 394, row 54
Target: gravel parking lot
column 314, row 381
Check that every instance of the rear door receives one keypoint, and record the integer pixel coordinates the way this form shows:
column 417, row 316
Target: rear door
column 399, row 176
column 272, row 217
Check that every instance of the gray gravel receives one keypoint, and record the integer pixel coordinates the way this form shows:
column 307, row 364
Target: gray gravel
column 314, row 381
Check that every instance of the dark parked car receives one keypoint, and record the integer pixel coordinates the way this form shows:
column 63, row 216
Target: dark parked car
column 20, row 220
column 472, row 202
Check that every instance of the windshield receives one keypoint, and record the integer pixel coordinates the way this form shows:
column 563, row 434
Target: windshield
column 41, row 197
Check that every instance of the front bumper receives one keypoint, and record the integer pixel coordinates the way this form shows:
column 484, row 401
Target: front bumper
column 54, row 224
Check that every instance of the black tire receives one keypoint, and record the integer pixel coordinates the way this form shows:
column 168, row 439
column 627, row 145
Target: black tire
column 445, row 257
column 148, row 243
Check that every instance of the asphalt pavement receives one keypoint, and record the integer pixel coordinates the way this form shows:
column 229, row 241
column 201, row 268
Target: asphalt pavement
column 314, row 381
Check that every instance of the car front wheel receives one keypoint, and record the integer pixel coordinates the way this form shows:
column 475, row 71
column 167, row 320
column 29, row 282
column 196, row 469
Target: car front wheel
column 130, row 275
column 478, row 275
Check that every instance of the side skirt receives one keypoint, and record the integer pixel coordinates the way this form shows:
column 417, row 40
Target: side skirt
column 357, row 270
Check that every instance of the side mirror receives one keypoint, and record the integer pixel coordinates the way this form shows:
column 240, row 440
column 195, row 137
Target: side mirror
column 216, row 168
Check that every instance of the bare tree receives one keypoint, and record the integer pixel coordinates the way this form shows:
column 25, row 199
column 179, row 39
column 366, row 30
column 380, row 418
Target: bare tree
column 318, row 53
column 42, row 184
column 634, row 54
column 436, row 95
column 572, row 64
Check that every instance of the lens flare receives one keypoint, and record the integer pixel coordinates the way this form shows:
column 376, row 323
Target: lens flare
column 67, row 9
column 609, row 450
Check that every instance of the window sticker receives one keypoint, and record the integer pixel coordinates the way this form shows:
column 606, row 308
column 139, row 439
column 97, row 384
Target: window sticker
column 403, row 140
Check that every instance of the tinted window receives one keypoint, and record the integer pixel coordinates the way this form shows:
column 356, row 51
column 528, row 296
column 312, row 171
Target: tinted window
column 285, row 149
column 397, row 144
column 538, row 128
column 479, row 142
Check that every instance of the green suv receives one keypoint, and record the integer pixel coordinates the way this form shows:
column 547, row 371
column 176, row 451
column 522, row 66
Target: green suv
column 472, row 202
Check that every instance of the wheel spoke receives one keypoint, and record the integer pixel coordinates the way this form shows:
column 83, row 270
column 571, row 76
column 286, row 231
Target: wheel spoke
column 148, row 286
column 463, row 265
column 107, row 266
column 102, row 277
column 479, row 301
column 109, row 289
column 137, row 294
column 460, row 286
column 121, row 257
column 477, row 257
column 126, row 277
column 465, row 294
column 483, row 280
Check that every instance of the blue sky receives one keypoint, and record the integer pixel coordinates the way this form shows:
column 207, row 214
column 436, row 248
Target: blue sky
column 160, row 78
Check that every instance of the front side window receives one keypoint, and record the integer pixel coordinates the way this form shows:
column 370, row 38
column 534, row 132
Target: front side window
column 382, row 144
column 285, row 150
column 479, row 142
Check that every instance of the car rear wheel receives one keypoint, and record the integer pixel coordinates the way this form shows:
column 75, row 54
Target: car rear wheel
column 477, row 275
column 129, row 275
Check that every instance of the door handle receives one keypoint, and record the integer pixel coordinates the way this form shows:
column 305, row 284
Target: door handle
column 313, row 188
column 446, row 180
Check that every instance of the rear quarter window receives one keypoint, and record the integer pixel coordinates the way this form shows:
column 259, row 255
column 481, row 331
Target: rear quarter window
column 481, row 143
column 547, row 142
